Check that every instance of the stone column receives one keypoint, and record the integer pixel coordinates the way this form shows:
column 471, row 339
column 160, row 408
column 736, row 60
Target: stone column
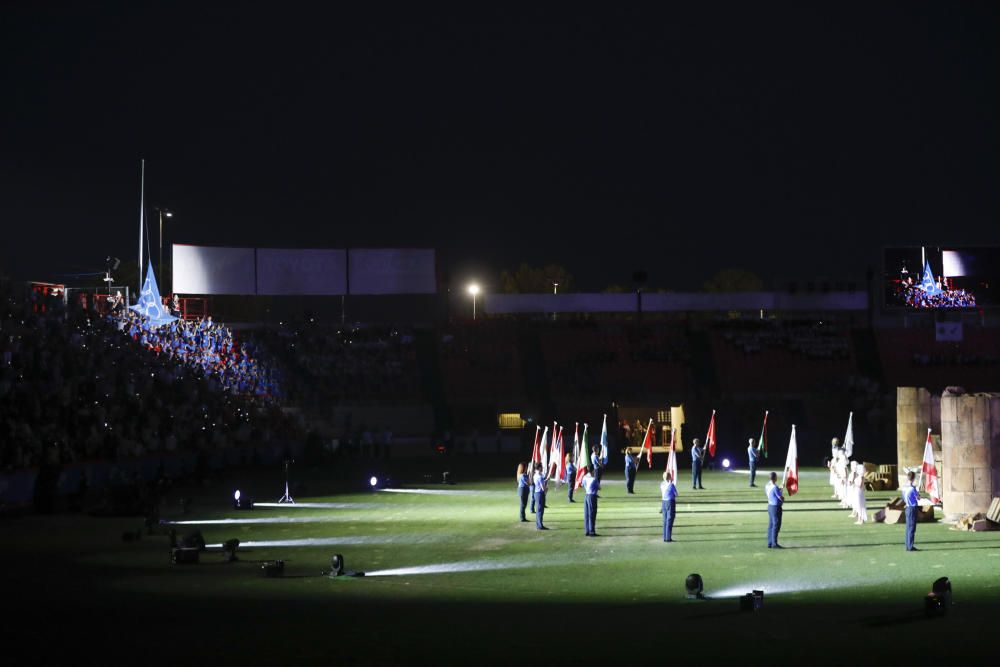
column 913, row 418
column 970, row 441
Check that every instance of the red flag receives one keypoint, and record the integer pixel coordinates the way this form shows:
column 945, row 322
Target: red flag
column 536, row 454
column 929, row 472
column 582, row 459
column 647, row 444
column 710, row 438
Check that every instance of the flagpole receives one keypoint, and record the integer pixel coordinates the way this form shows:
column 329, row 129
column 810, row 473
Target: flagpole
column 142, row 204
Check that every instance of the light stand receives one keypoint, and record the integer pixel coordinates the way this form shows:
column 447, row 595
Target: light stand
column 287, row 498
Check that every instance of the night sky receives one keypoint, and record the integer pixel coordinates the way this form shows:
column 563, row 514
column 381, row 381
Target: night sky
column 792, row 141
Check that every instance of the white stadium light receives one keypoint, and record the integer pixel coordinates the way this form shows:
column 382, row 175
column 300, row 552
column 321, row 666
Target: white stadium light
column 725, row 463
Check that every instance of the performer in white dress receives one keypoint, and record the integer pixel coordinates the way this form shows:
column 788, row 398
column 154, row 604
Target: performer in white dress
column 834, row 447
column 860, row 507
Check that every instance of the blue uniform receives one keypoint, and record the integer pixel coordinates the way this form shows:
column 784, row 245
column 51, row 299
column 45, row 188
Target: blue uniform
column 629, row 472
column 595, row 462
column 697, row 452
column 911, row 498
column 570, row 480
column 668, row 494
column 523, row 490
column 754, row 455
column 774, row 502
column 590, row 485
column 540, row 485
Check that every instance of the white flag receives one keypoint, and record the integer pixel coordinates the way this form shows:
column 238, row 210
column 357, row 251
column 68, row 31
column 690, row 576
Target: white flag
column 849, row 437
column 791, row 479
column 928, row 472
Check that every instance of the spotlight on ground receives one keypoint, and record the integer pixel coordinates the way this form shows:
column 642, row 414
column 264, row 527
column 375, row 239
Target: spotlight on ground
column 184, row 555
column 229, row 548
column 236, row 499
column 725, row 464
column 272, row 568
column 337, row 568
column 373, row 482
column 752, row 601
column 693, row 587
column 939, row 599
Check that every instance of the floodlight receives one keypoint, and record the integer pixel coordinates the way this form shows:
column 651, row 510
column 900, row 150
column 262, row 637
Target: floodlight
column 272, row 568
column 229, row 548
column 336, row 565
column 725, row 463
column 693, row 586
column 373, row 482
column 473, row 289
column 936, row 602
column 236, row 499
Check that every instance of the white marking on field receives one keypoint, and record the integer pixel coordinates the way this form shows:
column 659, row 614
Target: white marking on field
column 447, row 568
column 349, row 540
column 255, row 520
column 321, row 506
column 446, row 492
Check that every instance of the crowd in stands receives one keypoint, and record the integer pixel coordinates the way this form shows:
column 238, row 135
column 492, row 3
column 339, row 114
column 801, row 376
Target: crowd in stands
column 812, row 340
column 329, row 364
column 205, row 345
column 914, row 296
column 74, row 388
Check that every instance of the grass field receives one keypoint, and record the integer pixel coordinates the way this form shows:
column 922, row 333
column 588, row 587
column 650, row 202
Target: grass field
column 453, row 577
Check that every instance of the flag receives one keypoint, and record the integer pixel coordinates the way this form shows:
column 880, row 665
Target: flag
column 604, row 442
column 672, row 458
column 849, row 436
column 710, row 437
column 927, row 284
column 928, row 472
column 560, row 457
column 150, row 305
column 762, row 440
column 536, row 455
column 582, row 459
column 647, row 444
column 544, row 449
column 576, row 442
column 791, row 479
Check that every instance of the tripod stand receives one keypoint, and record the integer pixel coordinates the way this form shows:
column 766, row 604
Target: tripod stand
column 287, row 498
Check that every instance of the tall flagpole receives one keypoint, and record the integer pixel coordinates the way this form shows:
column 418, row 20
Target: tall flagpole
column 142, row 204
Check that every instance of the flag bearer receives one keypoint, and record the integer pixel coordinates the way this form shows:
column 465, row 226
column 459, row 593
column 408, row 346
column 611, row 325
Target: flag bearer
column 753, row 454
column 591, row 485
column 541, row 483
column 629, row 471
column 668, row 494
column 774, row 502
column 523, row 487
column 911, row 498
column 570, row 477
column 697, row 462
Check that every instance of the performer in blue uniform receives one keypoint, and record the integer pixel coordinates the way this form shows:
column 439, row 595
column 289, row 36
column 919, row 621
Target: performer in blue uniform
column 754, row 455
column 540, row 483
column 523, row 487
column 668, row 494
column 774, row 502
column 911, row 497
column 697, row 461
column 591, row 485
column 570, row 477
column 629, row 471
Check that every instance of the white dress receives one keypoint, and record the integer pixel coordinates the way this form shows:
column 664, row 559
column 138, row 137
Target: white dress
column 859, row 500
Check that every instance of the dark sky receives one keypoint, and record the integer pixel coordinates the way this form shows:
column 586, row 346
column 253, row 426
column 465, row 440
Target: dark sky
column 792, row 141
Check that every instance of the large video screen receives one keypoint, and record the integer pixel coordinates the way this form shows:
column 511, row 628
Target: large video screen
column 213, row 270
column 942, row 277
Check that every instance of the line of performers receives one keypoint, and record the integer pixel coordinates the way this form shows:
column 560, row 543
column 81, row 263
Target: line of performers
column 848, row 481
column 534, row 487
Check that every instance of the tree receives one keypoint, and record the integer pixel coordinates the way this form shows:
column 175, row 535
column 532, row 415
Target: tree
column 529, row 280
column 734, row 280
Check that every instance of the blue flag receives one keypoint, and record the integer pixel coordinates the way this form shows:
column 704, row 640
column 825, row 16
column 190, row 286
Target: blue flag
column 927, row 284
column 150, row 305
